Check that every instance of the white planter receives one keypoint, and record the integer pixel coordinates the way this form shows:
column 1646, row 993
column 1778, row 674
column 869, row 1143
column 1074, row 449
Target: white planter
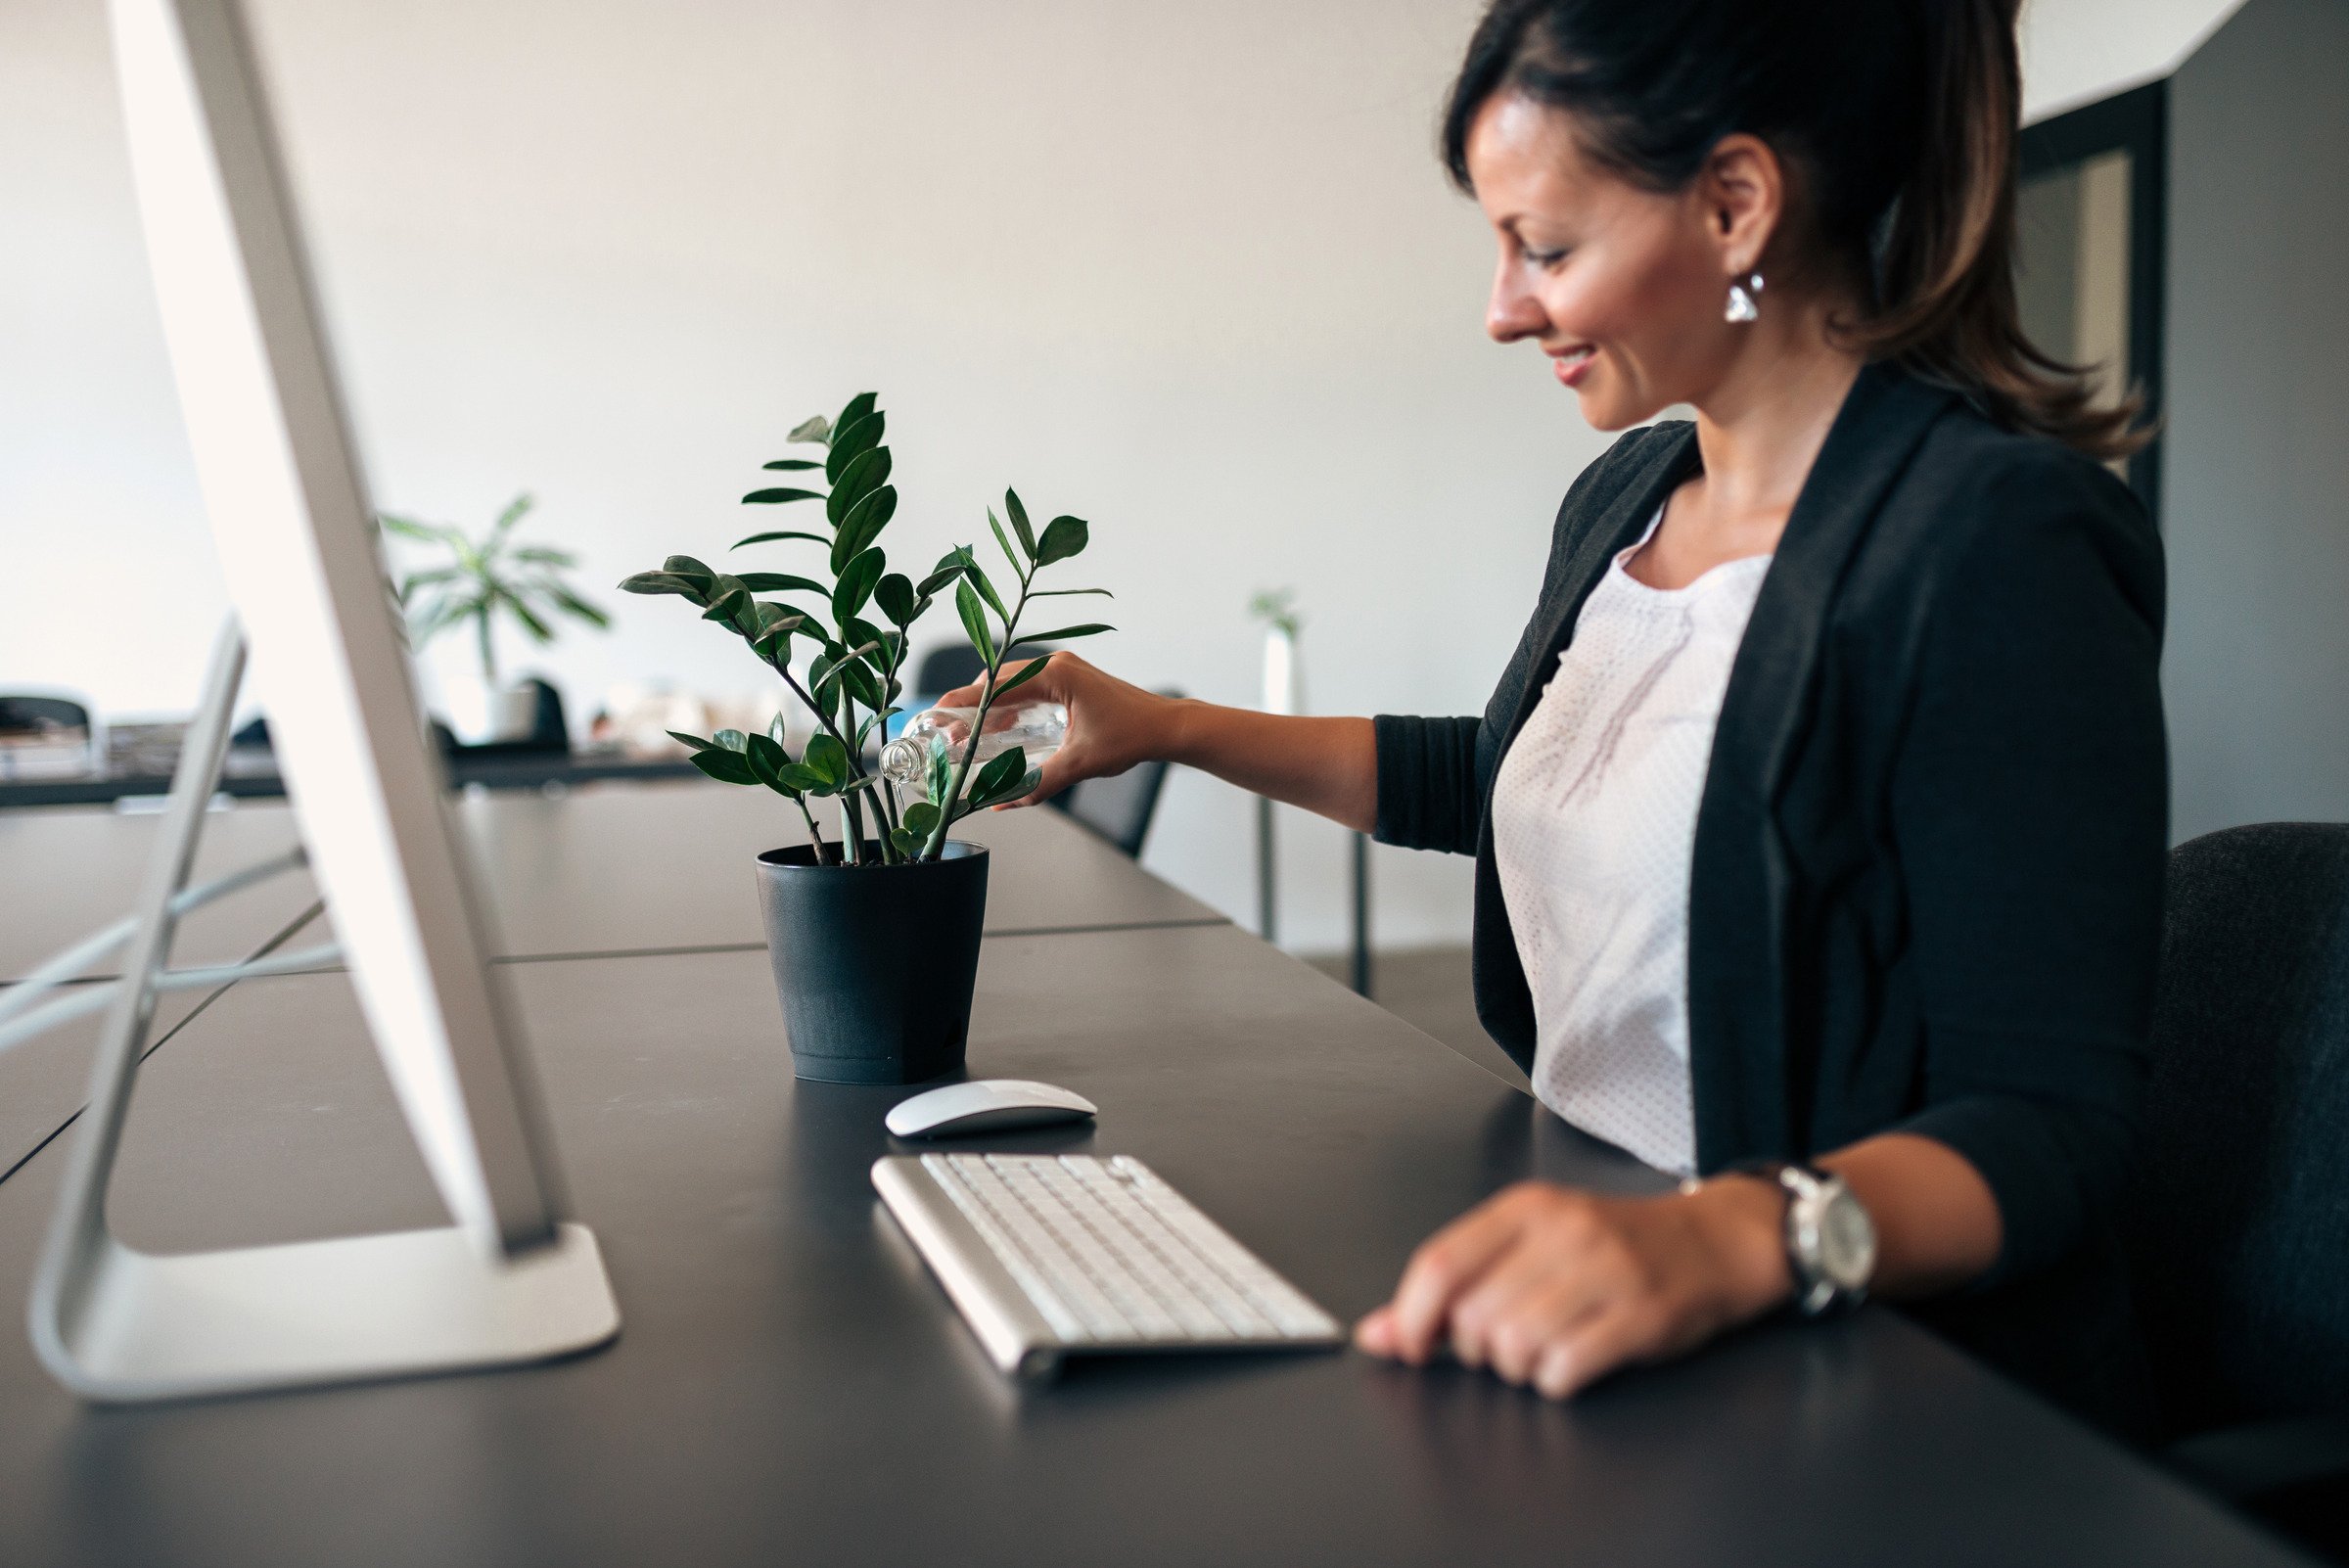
column 479, row 715
column 1284, row 677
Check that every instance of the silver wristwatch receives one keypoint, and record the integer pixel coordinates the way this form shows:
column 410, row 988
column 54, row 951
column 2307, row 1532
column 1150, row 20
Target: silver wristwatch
column 1830, row 1241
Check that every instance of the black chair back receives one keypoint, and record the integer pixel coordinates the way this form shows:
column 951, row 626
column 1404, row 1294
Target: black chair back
column 957, row 664
column 1120, row 808
column 29, row 715
column 2238, row 1227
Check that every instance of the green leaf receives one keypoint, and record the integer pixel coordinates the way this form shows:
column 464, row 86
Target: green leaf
column 782, row 534
column 1027, row 672
column 855, row 409
column 851, row 441
column 921, row 816
column 791, row 464
column 685, row 566
column 828, row 757
column 781, row 582
column 860, row 633
column 974, row 620
column 422, row 532
column 1064, row 633
column 862, row 683
column 768, row 761
column 1004, row 767
column 664, row 582
column 938, row 580
column 542, row 555
column 728, row 599
column 800, row 777
column 1019, row 522
column 730, row 740
column 539, row 630
column 778, row 497
column 856, row 585
column 939, row 772
column 1067, row 593
column 864, row 524
column 727, row 768
column 1019, row 564
column 1064, row 536
column 779, row 732
column 909, row 843
column 592, row 613
column 978, row 578
column 814, row 427
column 694, row 741
column 893, row 593
column 866, row 474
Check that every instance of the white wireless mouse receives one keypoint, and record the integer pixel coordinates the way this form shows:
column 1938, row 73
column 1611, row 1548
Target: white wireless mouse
column 984, row 1105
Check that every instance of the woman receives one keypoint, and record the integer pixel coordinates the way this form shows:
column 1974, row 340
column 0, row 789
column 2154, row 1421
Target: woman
column 1821, row 815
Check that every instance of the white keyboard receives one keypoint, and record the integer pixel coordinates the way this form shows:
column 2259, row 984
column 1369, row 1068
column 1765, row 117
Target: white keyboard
column 1048, row 1255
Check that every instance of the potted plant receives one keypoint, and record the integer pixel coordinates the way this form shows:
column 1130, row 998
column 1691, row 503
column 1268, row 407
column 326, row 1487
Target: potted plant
column 874, row 931
column 488, row 579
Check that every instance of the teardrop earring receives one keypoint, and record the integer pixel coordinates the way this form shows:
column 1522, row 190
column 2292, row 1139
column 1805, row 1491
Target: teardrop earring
column 1742, row 302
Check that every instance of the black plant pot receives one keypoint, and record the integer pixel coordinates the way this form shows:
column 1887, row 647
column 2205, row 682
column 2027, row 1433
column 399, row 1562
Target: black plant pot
column 874, row 964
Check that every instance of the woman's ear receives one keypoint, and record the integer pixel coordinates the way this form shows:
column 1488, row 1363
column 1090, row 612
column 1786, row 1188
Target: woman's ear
column 1741, row 191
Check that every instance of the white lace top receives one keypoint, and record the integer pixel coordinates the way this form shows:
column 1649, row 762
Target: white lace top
column 1593, row 829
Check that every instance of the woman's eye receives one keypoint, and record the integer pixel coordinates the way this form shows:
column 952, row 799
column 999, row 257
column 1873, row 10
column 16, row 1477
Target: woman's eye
column 1544, row 258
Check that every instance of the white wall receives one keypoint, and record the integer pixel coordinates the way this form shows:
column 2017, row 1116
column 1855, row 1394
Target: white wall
column 1190, row 271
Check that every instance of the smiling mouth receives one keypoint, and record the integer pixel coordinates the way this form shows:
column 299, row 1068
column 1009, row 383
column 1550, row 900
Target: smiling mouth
column 1573, row 363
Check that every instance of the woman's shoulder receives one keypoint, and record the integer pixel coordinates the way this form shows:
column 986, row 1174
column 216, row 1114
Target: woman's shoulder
column 1981, row 476
column 1981, row 506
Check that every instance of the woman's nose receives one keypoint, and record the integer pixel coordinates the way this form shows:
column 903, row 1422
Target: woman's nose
column 1515, row 311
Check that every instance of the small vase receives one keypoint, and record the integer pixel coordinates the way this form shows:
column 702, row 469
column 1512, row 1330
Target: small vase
column 874, row 964
column 480, row 713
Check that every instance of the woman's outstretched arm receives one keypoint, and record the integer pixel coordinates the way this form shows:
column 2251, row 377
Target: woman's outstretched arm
column 1328, row 765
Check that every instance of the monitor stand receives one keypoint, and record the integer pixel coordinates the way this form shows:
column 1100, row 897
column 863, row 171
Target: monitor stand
column 116, row 1324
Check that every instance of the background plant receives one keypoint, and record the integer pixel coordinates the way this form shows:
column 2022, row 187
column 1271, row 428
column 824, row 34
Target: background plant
column 852, row 679
column 489, row 576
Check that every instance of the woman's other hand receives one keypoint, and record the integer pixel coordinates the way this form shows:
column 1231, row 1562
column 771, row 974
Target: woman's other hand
column 1113, row 724
column 1555, row 1288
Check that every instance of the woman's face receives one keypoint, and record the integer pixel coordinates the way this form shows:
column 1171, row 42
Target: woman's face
column 1623, row 288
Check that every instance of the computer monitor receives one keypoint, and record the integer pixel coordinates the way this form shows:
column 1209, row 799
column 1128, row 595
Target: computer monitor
column 289, row 510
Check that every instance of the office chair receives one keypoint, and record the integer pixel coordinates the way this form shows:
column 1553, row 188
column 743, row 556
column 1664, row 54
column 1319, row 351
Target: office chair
column 957, row 664
column 25, row 715
column 1119, row 809
column 2238, row 1228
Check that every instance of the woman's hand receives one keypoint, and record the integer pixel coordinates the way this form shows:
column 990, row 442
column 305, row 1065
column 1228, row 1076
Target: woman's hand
column 1554, row 1287
column 1113, row 724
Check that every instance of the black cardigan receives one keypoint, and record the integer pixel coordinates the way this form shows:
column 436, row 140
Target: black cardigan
column 1926, row 892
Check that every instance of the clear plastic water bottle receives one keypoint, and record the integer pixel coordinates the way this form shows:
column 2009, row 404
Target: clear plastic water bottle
column 1037, row 729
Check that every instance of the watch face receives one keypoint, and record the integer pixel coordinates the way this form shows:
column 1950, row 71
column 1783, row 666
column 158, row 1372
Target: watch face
column 1847, row 1240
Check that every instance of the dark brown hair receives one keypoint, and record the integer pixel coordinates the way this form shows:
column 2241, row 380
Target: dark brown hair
column 1897, row 120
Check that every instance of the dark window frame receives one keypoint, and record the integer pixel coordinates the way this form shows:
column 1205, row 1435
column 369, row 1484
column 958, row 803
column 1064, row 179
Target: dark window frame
column 2137, row 122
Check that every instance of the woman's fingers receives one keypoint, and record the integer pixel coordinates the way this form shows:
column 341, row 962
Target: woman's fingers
column 1589, row 1349
column 1447, row 1264
column 1042, row 688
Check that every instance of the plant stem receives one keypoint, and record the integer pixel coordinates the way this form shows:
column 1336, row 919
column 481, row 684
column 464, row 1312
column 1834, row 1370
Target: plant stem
column 489, row 647
column 815, row 834
column 970, row 751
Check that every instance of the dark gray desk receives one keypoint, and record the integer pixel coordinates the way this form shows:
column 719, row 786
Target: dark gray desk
column 68, row 870
column 792, row 1387
column 604, row 868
